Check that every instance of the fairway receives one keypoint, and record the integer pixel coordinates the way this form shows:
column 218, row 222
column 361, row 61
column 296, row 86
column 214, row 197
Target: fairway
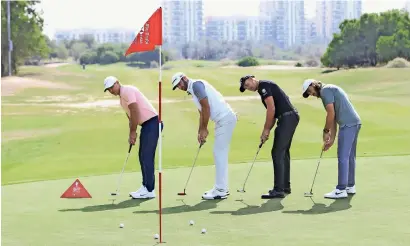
column 52, row 135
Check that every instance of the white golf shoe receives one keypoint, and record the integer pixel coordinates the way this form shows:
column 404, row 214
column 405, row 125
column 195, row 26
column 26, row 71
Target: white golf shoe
column 215, row 194
column 336, row 194
column 351, row 190
column 142, row 193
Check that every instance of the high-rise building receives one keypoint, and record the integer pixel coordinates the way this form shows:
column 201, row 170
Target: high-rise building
column 329, row 15
column 288, row 20
column 234, row 27
column 407, row 6
column 183, row 21
column 113, row 35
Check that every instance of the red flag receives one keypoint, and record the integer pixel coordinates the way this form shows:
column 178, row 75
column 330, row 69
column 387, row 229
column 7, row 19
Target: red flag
column 149, row 35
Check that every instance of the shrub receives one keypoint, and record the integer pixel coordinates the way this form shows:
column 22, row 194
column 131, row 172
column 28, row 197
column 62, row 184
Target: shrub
column 248, row 61
column 154, row 64
column 311, row 63
column 398, row 63
column 108, row 57
column 298, row 64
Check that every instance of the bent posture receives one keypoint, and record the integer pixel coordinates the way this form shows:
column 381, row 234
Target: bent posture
column 339, row 110
column 140, row 112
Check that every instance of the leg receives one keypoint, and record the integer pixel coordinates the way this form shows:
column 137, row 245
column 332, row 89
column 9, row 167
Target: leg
column 223, row 135
column 345, row 142
column 141, row 161
column 287, row 158
column 352, row 160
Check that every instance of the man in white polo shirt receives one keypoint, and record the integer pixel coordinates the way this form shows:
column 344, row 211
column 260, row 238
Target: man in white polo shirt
column 211, row 105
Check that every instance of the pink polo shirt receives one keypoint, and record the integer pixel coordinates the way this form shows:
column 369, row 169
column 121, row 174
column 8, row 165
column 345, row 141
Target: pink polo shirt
column 130, row 94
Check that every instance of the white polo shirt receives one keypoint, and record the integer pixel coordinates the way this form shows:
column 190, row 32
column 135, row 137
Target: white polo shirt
column 218, row 106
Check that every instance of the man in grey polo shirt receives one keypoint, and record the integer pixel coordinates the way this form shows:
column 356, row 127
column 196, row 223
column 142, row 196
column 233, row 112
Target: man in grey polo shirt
column 342, row 112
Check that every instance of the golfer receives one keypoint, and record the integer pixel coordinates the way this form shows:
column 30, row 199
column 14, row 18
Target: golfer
column 278, row 107
column 140, row 112
column 339, row 110
column 211, row 105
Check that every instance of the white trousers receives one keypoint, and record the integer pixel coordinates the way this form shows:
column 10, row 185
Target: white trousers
column 223, row 135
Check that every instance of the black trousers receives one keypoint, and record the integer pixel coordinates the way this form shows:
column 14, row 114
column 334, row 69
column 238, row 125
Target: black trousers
column 148, row 144
column 285, row 129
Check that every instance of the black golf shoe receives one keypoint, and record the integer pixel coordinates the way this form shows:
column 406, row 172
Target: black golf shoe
column 273, row 194
column 287, row 190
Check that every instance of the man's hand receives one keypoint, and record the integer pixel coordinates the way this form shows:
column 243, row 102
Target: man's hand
column 265, row 135
column 132, row 138
column 202, row 135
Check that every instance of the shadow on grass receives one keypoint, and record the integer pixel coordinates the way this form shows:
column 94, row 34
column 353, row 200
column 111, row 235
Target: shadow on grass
column 203, row 205
column 269, row 206
column 320, row 208
column 111, row 206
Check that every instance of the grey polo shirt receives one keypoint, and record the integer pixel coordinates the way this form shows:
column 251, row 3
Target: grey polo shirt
column 346, row 114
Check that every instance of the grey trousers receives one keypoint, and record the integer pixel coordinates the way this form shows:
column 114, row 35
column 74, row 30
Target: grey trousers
column 346, row 155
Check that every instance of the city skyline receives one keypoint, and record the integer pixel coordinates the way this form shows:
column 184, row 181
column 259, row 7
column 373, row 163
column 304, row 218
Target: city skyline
column 58, row 14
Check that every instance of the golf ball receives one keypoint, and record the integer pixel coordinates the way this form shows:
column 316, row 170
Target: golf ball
column 191, row 222
column 156, row 236
column 203, row 231
column 121, row 225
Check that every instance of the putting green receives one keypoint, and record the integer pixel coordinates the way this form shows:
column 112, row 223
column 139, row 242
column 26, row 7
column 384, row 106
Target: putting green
column 33, row 213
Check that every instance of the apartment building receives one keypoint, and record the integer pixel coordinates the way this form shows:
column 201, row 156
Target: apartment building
column 287, row 18
column 183, row 21
column 100, row 35
column 235, row 27
column 329, row 15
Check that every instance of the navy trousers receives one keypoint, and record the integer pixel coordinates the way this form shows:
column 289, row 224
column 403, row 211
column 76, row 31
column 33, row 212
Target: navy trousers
column 148, row 144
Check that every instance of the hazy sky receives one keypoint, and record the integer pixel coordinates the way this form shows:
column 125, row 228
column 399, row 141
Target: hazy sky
column 63, row 14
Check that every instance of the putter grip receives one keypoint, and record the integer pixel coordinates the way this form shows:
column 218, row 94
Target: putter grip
column 260, row 145
column 129, row 150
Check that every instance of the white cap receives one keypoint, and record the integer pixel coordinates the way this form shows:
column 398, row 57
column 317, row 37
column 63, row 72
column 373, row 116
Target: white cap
column 176, row 79
column 305, row 86
column 109, row 82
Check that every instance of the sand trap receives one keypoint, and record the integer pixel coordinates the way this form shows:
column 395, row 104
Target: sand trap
column 12, row 85
column 16, row 135
column 271, row 67
column 57, row 64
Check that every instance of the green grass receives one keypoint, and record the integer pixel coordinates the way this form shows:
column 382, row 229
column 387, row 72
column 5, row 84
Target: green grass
column 33, row 213
column 66, row 143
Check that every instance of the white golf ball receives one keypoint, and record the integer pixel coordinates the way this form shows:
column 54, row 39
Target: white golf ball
column 156, row 236
column 191, row 222
column 203, row 231
column 121, row 225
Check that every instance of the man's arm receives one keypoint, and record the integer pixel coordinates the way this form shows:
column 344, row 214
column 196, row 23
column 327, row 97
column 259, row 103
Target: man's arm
column 330, row 118
column 205, row 113
column 270, row 113
column 200, row 93
column 134, row 116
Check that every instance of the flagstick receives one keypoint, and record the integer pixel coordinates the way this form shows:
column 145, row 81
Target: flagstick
column 160, row 146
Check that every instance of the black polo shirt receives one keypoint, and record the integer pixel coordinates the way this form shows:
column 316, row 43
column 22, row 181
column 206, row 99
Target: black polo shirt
column 268, row 88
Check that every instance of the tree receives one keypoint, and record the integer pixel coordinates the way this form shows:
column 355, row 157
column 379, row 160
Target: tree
column 26, row 33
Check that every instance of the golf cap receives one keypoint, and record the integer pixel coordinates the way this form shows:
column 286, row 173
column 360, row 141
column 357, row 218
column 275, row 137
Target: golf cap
column 176, row 79
column 109, row 82
column 242, row 81
column 305, row 86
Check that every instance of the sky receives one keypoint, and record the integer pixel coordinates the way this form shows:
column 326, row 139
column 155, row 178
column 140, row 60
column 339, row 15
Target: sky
column 72, row 14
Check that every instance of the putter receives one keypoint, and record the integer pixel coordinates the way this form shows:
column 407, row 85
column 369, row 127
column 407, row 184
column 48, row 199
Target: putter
column 192, row 168
column 310, row 194
column 243, row 188
column 116, row 193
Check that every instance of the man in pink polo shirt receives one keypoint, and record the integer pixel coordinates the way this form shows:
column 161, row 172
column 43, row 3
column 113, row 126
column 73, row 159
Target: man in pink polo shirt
column 140, row 112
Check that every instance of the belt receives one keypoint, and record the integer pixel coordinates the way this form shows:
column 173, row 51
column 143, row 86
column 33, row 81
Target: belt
column 287, row 113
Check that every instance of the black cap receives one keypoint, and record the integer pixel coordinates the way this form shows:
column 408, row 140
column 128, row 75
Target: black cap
column 242, row 81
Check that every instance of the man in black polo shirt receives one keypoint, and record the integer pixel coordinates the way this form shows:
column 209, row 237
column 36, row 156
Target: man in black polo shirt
column 278, row 107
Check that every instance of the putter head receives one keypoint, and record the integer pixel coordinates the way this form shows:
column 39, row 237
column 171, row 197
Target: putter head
column 241, row 190
column 181, row 194
column 114, row 193
column 308, row 194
